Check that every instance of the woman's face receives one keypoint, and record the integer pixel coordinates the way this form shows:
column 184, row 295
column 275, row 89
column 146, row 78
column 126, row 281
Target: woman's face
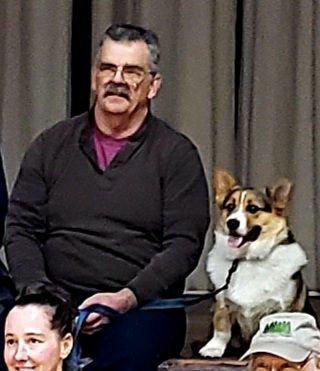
column 31, row 343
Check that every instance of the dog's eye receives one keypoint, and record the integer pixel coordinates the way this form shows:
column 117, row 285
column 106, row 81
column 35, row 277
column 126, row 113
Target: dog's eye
column 252, row 209
column 230, row 207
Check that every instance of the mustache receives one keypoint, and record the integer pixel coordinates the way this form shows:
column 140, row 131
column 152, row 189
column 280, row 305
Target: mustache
column 121, row 90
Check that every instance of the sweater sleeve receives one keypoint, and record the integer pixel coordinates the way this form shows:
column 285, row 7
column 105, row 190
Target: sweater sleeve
column 185, row 222
column 26, row 223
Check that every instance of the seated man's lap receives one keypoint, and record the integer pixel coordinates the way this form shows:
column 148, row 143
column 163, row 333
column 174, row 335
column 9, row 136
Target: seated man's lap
column 139, row 340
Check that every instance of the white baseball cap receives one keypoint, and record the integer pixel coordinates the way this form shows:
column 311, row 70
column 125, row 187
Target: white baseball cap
column 292, row 336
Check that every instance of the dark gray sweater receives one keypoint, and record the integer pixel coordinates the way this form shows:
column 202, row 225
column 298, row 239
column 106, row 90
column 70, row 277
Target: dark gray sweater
column 140, row 223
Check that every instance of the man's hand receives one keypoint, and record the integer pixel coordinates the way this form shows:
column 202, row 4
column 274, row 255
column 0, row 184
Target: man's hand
column 121, row 301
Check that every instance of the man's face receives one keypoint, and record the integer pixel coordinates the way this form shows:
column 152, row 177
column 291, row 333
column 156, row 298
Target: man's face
column 121, row 78
column 270, row 362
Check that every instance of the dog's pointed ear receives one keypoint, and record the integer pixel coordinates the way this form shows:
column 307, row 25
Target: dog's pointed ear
column 280, row 195
column 223, row 182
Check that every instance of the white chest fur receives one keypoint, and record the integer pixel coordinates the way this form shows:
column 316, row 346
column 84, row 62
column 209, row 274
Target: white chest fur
column 256, row 281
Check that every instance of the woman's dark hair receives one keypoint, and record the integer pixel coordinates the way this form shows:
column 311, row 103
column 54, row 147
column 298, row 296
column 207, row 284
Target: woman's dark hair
column 64, row 309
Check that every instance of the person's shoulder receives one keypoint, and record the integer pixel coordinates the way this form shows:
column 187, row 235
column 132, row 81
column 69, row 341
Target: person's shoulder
column 67, row 126
column 171, row 135
column 53, row 139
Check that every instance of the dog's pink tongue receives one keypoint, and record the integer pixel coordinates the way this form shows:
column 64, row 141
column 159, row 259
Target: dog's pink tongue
column 234, row 241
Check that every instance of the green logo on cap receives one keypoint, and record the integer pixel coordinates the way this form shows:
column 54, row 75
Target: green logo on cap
column 281, row 328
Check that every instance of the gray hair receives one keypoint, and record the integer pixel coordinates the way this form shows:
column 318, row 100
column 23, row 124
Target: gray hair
column 129, row 32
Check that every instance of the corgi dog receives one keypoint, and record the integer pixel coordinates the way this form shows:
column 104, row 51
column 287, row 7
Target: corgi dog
column 253, row 229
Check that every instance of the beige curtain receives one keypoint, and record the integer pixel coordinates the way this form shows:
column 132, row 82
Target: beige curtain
column 34, row 70
column 276, row 132
column 279, row 111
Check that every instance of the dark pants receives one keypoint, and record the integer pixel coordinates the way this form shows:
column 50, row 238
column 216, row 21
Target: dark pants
column 137, row 341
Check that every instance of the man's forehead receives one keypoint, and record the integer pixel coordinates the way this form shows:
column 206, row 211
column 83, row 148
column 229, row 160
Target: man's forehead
column 268, row 358
column 125, row 52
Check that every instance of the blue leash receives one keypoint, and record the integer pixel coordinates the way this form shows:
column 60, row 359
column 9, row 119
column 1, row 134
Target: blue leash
column 75, row 362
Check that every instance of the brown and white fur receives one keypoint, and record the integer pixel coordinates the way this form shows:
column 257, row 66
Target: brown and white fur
column 253, row 228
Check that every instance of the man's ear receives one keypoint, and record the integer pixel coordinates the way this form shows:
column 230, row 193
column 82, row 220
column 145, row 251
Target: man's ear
column 94, row 79
column 223, row 182
column 94, row 71
column 155, row 86
column 66, row 345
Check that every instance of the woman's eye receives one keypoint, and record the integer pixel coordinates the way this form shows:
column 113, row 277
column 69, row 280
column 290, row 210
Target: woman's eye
column 252, row 209
column 10, row 342
column 34, row 341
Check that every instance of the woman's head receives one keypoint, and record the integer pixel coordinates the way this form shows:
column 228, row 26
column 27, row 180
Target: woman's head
column 38, row 330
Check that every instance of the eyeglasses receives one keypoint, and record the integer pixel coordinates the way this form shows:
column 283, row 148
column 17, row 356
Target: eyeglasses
column 130, row 74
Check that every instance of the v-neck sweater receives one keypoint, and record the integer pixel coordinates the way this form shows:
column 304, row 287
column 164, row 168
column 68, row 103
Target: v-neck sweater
column 141, row 223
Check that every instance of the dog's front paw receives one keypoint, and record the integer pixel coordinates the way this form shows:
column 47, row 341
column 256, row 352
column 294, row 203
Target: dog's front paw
column 214, row 348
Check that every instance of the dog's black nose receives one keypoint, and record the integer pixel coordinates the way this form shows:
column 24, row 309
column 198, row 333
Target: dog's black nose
column 233, row 224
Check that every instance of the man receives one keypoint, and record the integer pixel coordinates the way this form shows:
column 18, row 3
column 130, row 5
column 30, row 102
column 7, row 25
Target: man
column 285, row 341
column 113, row 206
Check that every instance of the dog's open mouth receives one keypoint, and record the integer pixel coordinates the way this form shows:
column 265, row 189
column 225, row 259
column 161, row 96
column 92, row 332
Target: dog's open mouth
column 236, row 241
